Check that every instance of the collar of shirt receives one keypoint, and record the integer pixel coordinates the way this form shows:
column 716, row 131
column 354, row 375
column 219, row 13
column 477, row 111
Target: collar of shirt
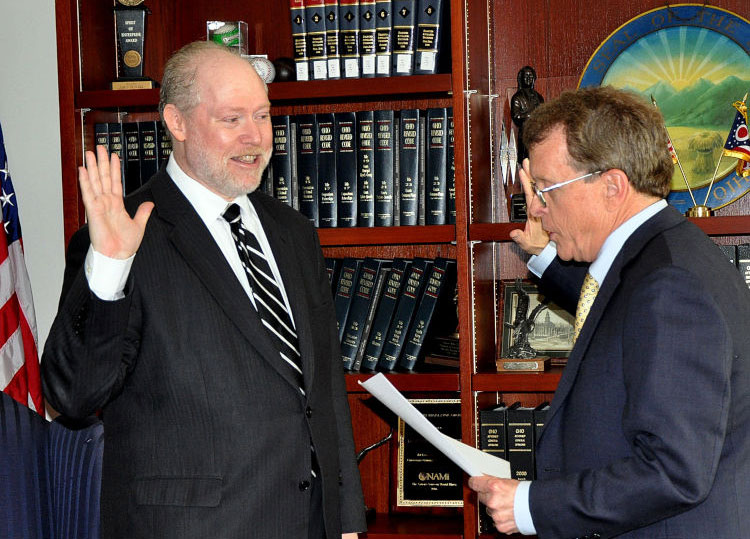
column 614, row 242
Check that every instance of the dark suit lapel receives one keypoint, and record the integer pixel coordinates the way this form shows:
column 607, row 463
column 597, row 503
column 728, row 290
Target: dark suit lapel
column 663, row 220
column 285, row 252
column 192, row 239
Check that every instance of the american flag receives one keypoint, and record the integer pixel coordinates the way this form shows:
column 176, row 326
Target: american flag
column 738, row 141
column 19, row 360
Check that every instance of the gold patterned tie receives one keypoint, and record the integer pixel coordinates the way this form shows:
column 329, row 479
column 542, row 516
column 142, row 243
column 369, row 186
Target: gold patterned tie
column 589, row 290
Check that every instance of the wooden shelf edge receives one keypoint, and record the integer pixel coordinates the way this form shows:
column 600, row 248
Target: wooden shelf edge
column 385, row 526
column 279, row 92
column 517, row 382
column 416, row 381
column 394, row 235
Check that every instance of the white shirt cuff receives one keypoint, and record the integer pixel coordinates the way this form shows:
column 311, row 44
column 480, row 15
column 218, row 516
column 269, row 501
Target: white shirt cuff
column 538, row 263
column 107, row 276
column 521, row 510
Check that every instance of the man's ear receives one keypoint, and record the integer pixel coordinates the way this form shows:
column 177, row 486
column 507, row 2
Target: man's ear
column 175, row 121
column 617, row 187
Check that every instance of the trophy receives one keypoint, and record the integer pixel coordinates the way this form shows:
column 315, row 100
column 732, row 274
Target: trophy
column 130, row 29
column 521, row 356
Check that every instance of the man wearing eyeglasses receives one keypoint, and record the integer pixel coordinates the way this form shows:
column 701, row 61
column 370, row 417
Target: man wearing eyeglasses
column 648, row 435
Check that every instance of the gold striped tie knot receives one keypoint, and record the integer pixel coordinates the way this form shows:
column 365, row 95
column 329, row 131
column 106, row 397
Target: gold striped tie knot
column 589, row 290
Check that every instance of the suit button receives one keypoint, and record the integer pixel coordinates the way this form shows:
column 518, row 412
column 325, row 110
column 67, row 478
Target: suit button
column 304, row 485
column 308, row 411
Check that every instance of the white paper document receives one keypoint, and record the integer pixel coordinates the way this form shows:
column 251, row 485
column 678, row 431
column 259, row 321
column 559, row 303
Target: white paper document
column 471, row 460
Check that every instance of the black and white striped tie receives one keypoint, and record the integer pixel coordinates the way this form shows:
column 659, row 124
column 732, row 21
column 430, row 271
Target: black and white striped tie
column 268, row 298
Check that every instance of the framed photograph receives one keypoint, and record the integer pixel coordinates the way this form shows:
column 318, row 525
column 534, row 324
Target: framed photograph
column 426, row 480
column 552, row 334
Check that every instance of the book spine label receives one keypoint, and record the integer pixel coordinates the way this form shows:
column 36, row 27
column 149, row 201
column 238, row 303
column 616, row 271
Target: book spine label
column 349, row 38
column 424, row 313
column 307, row 166
column 316, row 38
column 281, row 160
column 383, row 38
column 149, row 149
column 450, row 171
column 132, row 180
column 383, row 174
column 409, row 166
column 165, row 143
column 743, row 261
column 428, row 37
column 365, row 169
column 117, row 145
column 402, row 318
column 345, row 287
column 521, row 443
column 299, row 39
column 327, row 191
column 384, row 313
column 346, row 168
column 332, row 39
column 101, row 135
column 367, row 49
column 436, row 190
column 404, row 19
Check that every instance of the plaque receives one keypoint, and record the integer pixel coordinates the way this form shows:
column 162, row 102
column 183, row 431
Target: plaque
column 130, row 31
column 425, row 477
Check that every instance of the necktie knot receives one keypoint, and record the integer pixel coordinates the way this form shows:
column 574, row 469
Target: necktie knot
column 232, row 213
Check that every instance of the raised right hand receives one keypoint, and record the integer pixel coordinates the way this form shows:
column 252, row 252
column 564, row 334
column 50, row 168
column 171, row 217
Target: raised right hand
column 112, row 231
column 533, row 238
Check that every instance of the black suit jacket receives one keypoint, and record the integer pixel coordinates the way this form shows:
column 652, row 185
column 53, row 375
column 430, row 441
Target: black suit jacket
column 648, row 434
column 206, row 434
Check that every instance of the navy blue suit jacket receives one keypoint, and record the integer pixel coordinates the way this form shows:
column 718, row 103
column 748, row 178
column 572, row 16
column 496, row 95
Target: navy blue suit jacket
column 648, row 434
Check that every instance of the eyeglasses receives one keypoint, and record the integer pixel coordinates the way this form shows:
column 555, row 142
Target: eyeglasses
column 540, row 192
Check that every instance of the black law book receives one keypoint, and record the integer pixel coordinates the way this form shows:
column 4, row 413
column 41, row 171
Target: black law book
column 377, row 295
column 409, row 143
column 327, row 190
column 421, row 191
column 520, row 427
column 346, row 167
column 383, row 174
column 492, row 440
column 132, row 150
column 307, row 166
column 360, row 305
column 367, row 22
column 404, row 314
column 342, row 300
column 117, row 145
column 383, row 38
column 333, row 269
column 164, row 142
column 436, row 182
column 316, row 38
column 349, row 38
column 429, row 36
column 743, row 261
column 540, row 418
column 384, row 313
column 450, row 171
column 436, row 297
column 404, row 26
column 332, row 38
column 101, row 135
column 149, row 147
column 281, row 160
column 299, row 39
column 365, row 168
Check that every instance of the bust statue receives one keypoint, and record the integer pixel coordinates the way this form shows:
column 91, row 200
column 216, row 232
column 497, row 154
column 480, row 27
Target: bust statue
column 525, row 100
